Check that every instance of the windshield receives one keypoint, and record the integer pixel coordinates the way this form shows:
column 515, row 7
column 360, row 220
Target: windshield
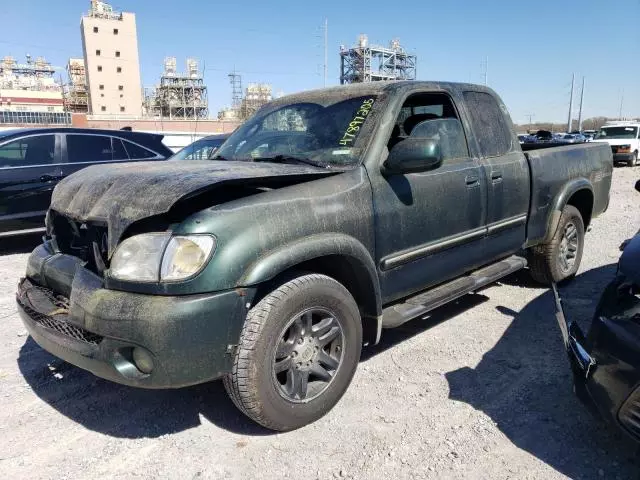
column 325, row 133
column 204, row 149
column 618, row 132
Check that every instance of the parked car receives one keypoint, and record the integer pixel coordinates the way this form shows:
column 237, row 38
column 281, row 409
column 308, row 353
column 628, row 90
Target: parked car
column 526, row 138
column 33, row 161
column 572, row 138
column 325, row 224
column 624, row 140
column 606, row 362
column 544, row 136
column 203, row 149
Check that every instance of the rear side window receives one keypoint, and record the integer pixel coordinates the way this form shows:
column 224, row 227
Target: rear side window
column 136, row 152
column 489, row 124
column 119, row 153
column 35, row 150
column 89, row 148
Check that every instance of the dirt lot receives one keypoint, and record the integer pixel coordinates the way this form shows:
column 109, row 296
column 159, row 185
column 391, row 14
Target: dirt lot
column 479, row 390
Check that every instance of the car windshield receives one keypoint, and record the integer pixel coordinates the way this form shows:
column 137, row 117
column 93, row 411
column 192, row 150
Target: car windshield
column 324, row 131
column 203, row 149
column 618, row 132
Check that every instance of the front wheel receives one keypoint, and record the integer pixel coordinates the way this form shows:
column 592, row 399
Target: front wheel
column 634, row 160
column 298, row 351
column 560, row 258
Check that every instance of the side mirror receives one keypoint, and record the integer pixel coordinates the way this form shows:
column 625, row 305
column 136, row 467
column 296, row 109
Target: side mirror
column 638, row 186
column 413, row 155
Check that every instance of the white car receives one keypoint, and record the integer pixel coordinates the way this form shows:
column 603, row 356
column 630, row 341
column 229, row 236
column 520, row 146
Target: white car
column 624, row 140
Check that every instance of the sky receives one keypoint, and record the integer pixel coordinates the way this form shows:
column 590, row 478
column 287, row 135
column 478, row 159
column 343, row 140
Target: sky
column 533, row 48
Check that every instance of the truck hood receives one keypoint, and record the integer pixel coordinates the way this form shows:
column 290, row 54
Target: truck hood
column 119, row 195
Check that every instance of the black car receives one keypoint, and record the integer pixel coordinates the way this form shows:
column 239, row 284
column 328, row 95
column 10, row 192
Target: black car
column 33, row 161
column 606, row 362
column 202, row 149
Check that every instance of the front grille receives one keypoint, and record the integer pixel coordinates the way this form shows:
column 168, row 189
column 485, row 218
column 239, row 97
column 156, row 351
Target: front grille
column 614, row 149
column 629, row 414
column 55, row 319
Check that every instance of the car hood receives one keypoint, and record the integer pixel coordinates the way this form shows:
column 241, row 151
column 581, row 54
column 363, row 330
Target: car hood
column 119, row 195
column 629, row 263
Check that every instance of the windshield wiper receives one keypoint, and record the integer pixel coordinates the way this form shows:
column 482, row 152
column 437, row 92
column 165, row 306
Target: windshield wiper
column 219, row 157
column 290, row 159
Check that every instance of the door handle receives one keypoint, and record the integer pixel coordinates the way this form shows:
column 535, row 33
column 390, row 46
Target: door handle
column 496, row 176
column 472, row 180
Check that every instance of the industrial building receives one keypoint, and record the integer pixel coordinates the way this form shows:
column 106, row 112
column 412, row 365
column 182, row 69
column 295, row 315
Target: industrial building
column 76, row 97
column 112, row 67
column 369, row 63
column 255, row 96
column 243, row 106
column 29, row 93
column 179, row 95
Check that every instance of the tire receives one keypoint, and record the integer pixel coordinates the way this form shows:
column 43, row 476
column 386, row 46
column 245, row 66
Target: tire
column 634, row 160
column 545, row 263
column 277, row 324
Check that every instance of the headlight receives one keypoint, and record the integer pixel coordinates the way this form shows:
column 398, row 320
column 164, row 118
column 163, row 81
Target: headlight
column 154, row 257
column 185, row 256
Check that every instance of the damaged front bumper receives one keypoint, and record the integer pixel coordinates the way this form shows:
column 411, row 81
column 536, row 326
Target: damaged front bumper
column 149, row 341
column 606, row 362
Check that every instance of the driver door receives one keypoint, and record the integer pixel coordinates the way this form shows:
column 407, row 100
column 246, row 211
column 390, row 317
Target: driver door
column 429, row 226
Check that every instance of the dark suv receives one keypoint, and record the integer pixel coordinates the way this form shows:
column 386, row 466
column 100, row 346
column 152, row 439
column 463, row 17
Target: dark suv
column 33, row 161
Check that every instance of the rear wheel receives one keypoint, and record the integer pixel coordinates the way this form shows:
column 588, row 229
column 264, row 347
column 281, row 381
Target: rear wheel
column 560, row 258
column 298, row 352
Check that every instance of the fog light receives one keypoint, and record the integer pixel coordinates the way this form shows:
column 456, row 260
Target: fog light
column 143, row 360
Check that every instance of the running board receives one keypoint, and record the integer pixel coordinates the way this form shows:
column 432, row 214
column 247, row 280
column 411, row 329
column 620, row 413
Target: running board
column 422, row 303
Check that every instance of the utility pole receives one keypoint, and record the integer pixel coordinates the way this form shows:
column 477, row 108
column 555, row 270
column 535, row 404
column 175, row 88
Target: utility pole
column 573, row 84
column 530, row 115
column 486, row 71
column 621, row 104
column 326, row 36
column 581, row 100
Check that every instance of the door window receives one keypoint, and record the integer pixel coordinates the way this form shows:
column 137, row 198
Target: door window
column 89, row 148
column 28, row 151
column 432, row 116
column 488, row 120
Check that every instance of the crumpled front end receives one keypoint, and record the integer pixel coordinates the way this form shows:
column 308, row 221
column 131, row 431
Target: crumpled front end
column 149, row 341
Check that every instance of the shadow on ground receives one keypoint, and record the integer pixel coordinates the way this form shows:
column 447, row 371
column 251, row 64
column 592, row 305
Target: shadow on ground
column 523, row 383
column 127, row 412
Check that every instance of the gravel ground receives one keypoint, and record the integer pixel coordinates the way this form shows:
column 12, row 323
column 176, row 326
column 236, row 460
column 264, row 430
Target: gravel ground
column 481, row 389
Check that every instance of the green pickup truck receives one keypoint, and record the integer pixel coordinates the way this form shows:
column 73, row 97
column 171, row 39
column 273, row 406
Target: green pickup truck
column 327, row 217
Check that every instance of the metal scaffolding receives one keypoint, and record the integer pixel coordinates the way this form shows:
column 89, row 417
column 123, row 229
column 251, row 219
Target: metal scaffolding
column 371, row 63
column 256, row 95
column 75, row 93
column 179, row 96
column 34, row 75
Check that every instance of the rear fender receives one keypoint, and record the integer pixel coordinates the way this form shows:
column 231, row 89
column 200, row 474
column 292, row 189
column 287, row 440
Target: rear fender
column 561, row 200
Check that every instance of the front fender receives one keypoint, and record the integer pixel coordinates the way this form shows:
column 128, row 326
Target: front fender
column 287, row 256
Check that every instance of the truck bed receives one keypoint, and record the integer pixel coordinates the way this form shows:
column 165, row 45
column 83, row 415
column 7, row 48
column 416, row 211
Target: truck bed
column 585, row 165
